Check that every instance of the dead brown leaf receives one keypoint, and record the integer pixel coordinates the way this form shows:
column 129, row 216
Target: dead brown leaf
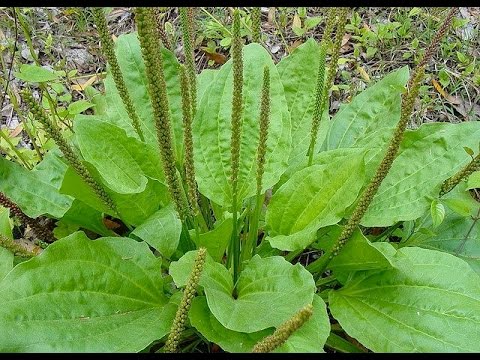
column 216, row 57
column 16, row 131
column 271, row 15
column 296, row 44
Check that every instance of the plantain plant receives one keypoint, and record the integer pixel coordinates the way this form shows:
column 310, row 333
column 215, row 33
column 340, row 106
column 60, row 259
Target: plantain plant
column 228, row 208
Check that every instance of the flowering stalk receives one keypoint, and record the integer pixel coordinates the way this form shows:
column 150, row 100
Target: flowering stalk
column 321, row 92
column 16, row 248
column 158, row 14
column 284, row 331
column 188, row 294
column 453, row 181
column 366, row 198
column 237, row 64
column 40, row 231
column 69, row 154
column 256, row 24
column 186, row 17
column 157, row 87
column 261, row 151
column 109, row 52
column 188, row 141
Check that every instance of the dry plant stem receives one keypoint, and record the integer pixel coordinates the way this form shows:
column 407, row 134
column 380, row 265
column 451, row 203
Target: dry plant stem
column 237, row 104
column 40, row 231
column 284, row 331
column 366, row 198
column 188, row 44
column 15, row 248
column 453, row 181
column 157, row 87
column 70, row 156
column 189, row 293
column 109, row 52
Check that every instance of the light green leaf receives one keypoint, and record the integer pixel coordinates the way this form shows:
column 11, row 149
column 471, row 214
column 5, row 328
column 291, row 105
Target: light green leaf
column 212, row 130
column 437, row 212
column 204, row 79
column 429, row 303
column 6, row 262
column 85, row 296
column 312, row 198
column 79, row 106
column 203, row 320
column 161, row 230
column 82, row 215
column 370, row 118
column 216, row 240
column 474, row 180
column 5, row 223
column 129, row 55
column 33, row 191
column 427, row 157
column 309, row 338
column 123, row 162
column 358, row 254
column 269, row 291
column 458, row 235
column 35, row 73
column 299, row 83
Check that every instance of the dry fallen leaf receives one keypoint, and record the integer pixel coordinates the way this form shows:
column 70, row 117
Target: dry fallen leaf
column 110, row 224
column 451, row 99
column 297, row 23
column 296, row 44
column 363, row 73
column 81, row 85
column 16, row 131
column 216, row 57
column 271, row 15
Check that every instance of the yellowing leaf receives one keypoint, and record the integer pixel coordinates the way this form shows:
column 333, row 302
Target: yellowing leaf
column 81, row 86
column 363, row 74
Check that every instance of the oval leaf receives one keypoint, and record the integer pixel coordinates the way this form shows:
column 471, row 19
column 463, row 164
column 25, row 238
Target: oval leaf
column 83, row 295
column 312, row 198
column 212, row 130
column 429, row 303
column 161, row 230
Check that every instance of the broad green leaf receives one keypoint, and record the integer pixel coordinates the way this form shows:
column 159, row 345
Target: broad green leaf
column 309, row 338
column 6, row 262
column 437, row 212
column 127, row 49
column 269, row 291
column 358, row 254
column 205, row 322
column 33, row 191
column 458, row 235
column 79, row 106
column 204, row 79
column 460, row 201
column 216, row 240
column 430, row 302
column 35, row 73
column 5, row 223
column 370, row 118
column 123, row 162
column 73, row 185
column 427, row 157
column 312, row 198
column 85, row 296
column 212, row 130
column 98, row 99
column 474, row 180
column 84, row 216
column 299, row 83
column 161, row 230
column 133, row 208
